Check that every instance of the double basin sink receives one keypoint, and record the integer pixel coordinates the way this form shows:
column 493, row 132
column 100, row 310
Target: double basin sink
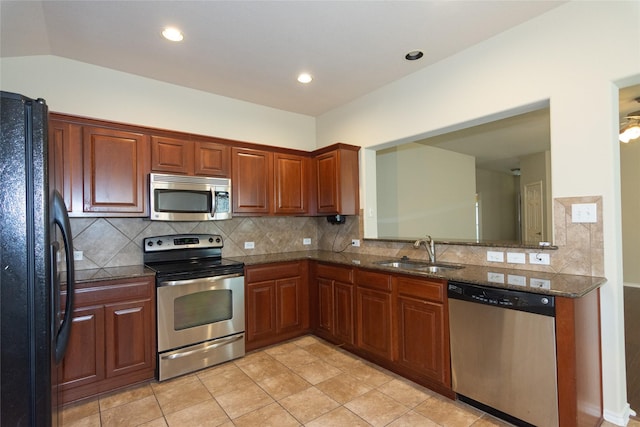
column 423, row 266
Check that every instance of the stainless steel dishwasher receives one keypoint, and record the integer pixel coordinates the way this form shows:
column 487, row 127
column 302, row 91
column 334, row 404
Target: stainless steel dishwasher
column 503, row 352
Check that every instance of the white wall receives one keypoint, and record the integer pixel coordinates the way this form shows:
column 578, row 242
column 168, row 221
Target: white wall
column 574, row 56
column 498, row 196
column 420, row 185
column 87, row 90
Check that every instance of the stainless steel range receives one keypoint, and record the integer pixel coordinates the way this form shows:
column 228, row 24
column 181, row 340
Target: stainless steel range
column 200, row 302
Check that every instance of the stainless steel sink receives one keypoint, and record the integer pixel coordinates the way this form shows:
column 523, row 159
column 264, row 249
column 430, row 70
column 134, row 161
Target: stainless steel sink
column 419, row 265
column 437, row 268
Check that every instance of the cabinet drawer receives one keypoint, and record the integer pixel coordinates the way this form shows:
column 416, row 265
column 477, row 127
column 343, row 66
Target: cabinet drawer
column 424, row 289
column 262, row 273
column 340, row 274
column 369, row 279
column 94, row 293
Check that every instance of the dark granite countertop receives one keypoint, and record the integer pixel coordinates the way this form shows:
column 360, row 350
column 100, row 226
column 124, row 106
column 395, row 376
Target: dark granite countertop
column 109, row 273
column 556, row 284
column 565, row 285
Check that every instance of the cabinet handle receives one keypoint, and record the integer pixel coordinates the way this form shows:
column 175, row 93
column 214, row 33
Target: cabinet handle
column 217, row 343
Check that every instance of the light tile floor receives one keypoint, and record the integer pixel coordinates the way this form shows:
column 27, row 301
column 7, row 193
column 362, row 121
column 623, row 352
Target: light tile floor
column 305, row 381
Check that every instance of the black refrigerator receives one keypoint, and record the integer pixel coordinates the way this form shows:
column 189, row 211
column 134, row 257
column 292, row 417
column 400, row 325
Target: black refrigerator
column 35, row 248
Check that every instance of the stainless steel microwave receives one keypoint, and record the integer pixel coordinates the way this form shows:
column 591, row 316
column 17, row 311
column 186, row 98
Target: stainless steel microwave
column 189, row 198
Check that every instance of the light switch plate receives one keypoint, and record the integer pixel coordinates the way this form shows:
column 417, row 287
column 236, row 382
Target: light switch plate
column 249, row 245
column 495, row 277
column 514, row 279
column 493, row 256
column 306, row 241
column 516, row 258
column 584, row 212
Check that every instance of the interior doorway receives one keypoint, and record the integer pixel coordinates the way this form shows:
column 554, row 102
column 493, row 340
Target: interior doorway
column 630, row 201
column 533, row 213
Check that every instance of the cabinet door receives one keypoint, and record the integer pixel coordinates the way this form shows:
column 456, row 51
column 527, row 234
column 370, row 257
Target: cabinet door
column 171, row 155
column 252, row 180
column 337, row 181
column 327, row 182
column 115, row 168
column 83, row 362
column 325, row 305
column 374, row 322
column 261, row 311
column 212, row 159
column 65, row 162
column 421, row 337
column 290, row 184
column 343, row 311
column 128, row 337
column 288, row 292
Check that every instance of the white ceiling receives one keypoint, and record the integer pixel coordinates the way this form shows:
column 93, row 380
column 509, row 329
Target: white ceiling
column 253, row 50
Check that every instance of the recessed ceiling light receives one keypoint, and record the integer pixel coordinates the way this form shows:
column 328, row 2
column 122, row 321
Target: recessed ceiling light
column 413, row 55
column 305, row 78
column 173, row 34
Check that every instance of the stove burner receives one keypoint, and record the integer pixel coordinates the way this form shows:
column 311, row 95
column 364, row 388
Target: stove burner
column 188, row 256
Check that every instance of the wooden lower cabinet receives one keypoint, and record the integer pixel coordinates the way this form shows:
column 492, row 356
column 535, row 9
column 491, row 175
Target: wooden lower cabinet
column 374, row 314
column 335, row 302
column 399, row 322
column 83, row 362
column 423, row 329
column 112, row 342
column 276, row 302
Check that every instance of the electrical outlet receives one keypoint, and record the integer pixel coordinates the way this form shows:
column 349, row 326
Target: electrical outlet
column 493, row 256
column 249, row 245
column 540, row 283
column 516, row 258
column 78, row 255
column 539, row 258
column 306, row 241
column 355, row 242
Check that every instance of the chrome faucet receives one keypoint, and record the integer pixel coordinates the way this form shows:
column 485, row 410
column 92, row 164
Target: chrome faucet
column 429, row 244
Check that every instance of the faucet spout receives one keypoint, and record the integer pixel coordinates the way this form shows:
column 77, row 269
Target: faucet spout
column 429, row 245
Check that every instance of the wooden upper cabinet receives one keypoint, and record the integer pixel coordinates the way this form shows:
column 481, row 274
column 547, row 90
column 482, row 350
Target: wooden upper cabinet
column 171, row 155
column 252, row 183
column 65, row 162
column 101, row 169
column 291, row 184
column 212, row 159
column 183, row 156
column 337, row 180
column 115, row 171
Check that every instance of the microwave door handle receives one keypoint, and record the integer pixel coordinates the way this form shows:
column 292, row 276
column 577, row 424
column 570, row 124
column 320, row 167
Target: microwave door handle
column 214, row 206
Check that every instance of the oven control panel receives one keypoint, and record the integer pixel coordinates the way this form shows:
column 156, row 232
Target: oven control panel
column 182, row 241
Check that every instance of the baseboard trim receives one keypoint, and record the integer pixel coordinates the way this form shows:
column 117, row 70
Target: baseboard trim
column 632, row 285
column 619, row 418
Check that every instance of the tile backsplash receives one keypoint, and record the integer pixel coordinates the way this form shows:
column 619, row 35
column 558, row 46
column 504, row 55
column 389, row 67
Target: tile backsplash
column 117, row 242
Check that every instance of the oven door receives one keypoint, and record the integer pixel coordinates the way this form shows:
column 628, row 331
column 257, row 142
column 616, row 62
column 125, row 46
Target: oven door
column 197, row 310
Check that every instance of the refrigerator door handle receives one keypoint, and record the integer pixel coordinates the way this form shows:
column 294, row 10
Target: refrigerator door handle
column 60, row 217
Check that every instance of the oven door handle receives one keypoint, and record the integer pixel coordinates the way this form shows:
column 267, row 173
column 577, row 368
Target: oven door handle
column 163, row 283
column 217, row 343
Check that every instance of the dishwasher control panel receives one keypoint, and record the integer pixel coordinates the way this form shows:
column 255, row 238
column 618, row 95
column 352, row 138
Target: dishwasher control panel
column 504, row 298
